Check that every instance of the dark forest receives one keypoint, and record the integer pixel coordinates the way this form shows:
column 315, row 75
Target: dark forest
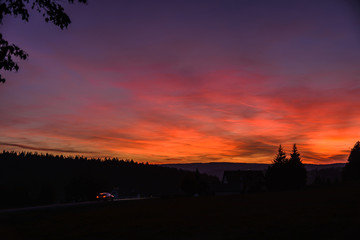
column 35, row 179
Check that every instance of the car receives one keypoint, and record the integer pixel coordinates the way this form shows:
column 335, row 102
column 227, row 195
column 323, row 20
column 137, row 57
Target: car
column 104, row 196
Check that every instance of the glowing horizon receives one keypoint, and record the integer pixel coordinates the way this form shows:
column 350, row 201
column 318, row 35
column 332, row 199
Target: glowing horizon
column 187, row 82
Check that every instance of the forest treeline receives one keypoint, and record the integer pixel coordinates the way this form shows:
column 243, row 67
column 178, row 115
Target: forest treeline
column 34, row 179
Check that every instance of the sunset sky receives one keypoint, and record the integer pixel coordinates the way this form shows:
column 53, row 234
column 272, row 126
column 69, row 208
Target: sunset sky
column 187, row 81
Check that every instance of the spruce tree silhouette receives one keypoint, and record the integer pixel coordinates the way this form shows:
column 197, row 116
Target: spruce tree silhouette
column 51, row 10
column 286, row 174
column 275, row 177
column 280, row 157
column 296, row 170
column 351, row 171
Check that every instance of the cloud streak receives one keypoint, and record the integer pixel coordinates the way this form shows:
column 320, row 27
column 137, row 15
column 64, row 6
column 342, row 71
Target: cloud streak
column 49, row 150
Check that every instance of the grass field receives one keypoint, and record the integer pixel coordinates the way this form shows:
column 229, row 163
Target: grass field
column 331, row 212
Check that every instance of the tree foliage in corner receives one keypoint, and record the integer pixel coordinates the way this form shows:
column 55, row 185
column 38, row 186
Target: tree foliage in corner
column 51, row 10
column 351, row 171
column 286, row 174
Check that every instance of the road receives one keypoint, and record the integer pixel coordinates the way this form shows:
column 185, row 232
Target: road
column 64, row 205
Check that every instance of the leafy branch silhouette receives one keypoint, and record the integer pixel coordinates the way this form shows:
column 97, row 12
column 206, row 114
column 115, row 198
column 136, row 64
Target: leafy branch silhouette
column 51, row 10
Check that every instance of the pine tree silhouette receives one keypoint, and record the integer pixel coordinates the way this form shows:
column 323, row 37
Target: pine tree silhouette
column 280, row 157
column 296, row 170
column 351, row 170
column 275, row 178
column 286, row 174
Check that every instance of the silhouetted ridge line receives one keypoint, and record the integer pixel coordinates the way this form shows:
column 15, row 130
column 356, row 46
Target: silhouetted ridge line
column 36, row 179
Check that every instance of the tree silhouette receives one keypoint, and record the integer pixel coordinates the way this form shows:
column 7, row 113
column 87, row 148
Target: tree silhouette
column 351, row 170
column 193, row 183
column 275, row 175
column 280, row 157
column 51, row 10
column 296, row 169
column 286, row 174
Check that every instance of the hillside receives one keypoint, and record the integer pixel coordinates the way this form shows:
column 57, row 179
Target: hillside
column 217, row 168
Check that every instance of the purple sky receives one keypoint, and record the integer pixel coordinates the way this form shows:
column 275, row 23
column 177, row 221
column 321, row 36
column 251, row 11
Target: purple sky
column 187, row 81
